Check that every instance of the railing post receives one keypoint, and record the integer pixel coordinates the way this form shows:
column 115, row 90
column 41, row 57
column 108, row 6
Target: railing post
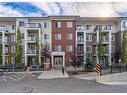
column 126, row 68
column 120, row 68
column 100, row 71
column 111, row 69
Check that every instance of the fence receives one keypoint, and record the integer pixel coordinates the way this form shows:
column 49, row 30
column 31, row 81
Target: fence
column 113, row 69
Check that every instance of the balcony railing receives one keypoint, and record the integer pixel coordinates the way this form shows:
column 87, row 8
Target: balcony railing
column 80, row 52
column 33, row 25
column 31, row 38
column 29, row 51
column 80, row 40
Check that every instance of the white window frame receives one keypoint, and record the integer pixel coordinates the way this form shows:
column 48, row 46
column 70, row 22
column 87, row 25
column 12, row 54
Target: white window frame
column 12, row 49
column 89, row 38
column 12, row 38
column 113, row 37
column 46, row 36
column 69, row 48
column 58, row 24
column 124, row 24
column 69, row 24
column 46, row 24
column 12, row 60
column 69, row 36
column 21, row 25
column 58, row 37
column 90, row 49
column 58, row 48
column 88, row 27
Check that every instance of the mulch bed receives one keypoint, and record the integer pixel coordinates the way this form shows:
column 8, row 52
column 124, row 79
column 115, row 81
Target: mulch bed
column 71, row 73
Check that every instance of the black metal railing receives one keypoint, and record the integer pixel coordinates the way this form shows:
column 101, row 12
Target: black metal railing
column 105, row 70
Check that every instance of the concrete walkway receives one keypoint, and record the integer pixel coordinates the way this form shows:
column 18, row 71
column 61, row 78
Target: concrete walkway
column 53, row 74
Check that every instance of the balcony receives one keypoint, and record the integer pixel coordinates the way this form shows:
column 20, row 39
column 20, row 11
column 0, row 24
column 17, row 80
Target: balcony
column 80, row 52
column 80, row 41
column 31, row 38
column 30, row 51
column 80, row 28
column 33, row 25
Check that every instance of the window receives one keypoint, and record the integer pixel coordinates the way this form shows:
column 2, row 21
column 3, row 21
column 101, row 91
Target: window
column 46, row 36
column 107, row 27
column 58, row 24
column 88, row 27
column 22, row 35
column 88, row 38
column 21, row 23
column 45, row 24
column 13, row 27
column 113, row 38
column 124, row 24
column 69, row 48
column 69, row 24
column 88, row 55
column 78, row 27
column 58, row 36
column 12, row 49
column 69, row 36
column 113, row 49
column 12, row 38
column 12, row 60
column 58, row 48
column 89, row 49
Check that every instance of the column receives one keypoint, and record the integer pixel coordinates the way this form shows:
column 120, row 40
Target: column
column 25, row 47
column 3, row 48
column 110, row 46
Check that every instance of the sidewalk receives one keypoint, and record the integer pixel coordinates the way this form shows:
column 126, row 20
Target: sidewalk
column 53, row 74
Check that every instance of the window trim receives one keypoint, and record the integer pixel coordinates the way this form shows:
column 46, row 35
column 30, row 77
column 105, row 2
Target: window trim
column 70, row 25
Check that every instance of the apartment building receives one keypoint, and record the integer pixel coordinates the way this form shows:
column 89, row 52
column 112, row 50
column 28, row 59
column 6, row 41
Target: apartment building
column 64, row 35
column 63, row 39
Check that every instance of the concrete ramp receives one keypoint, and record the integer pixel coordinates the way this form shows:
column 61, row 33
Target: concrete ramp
column 53, row 74
column 112, row 79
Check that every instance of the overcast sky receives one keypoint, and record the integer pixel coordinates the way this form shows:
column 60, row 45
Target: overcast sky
column 86, row 9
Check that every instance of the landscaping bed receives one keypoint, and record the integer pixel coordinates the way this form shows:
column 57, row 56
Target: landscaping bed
column 15, row 68
column 78, row 72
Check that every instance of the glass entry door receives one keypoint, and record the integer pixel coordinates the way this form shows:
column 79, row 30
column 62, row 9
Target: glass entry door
column 58, row 61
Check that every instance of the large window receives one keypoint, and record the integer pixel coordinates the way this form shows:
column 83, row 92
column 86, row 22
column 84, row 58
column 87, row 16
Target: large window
column 88, row 27
column 58, row 24
column 46, row 24
column 21, row 23
column 88, row 49
column 12, row 49
column 46, row 36
column 13, row 27
column 108, row 27
column 113, row 38
column 12, row 38
column 69, row 48
column 124, row 24
column 58, row 48
column 88, row 38
column 69, row 24
column 12, row 60
column 69, row 37
column 58, row 36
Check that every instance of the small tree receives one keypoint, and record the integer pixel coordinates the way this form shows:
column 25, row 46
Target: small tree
column 73, row 59
column 0, row 53
column 19, row 50
column 100, row 45
column 37, row 49
column 45, row 52
column 124, row 47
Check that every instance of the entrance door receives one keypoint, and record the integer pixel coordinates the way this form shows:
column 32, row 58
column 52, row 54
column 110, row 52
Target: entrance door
column 31, row 61
column 58, row 61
